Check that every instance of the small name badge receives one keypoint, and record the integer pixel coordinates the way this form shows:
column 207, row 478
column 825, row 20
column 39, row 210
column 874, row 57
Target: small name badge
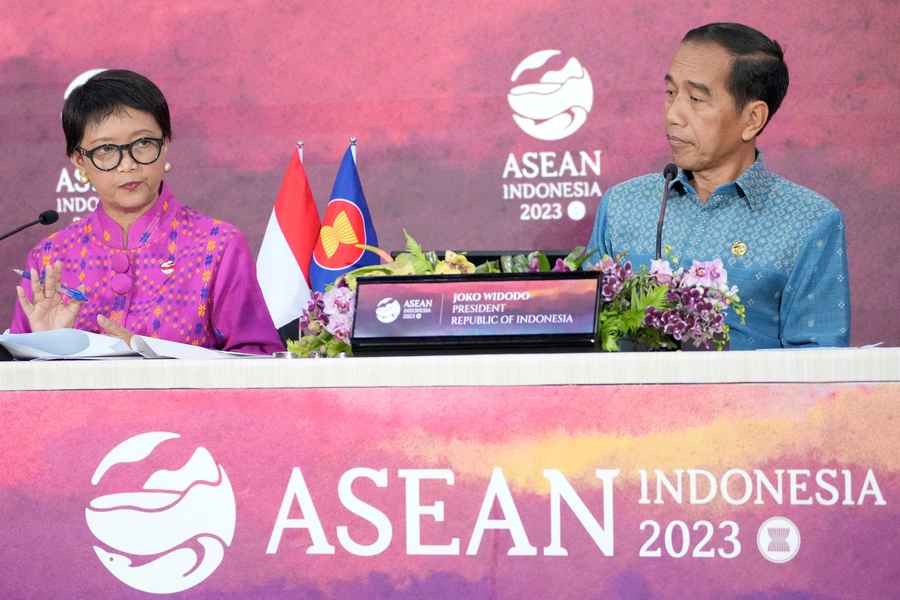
column 521, row 312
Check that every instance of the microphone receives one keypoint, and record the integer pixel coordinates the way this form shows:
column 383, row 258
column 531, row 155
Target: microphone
column 45, row 218
column 669, row 173
column 48, row 217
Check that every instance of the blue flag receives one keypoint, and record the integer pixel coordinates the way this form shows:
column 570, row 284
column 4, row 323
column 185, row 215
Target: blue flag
column 346, row 223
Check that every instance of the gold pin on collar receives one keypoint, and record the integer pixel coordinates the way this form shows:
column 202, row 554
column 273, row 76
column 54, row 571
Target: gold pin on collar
column 739, row 248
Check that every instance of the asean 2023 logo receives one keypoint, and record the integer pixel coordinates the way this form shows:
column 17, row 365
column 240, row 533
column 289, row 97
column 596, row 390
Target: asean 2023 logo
column 171, row 533
column 558, row 104
column 551, row 98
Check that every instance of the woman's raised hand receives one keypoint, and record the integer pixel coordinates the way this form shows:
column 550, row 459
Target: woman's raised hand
column 49, row 308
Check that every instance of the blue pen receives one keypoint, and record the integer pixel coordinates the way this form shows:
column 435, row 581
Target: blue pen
column 71, row 292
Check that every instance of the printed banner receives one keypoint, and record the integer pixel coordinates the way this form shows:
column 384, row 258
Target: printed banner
column 577, row 492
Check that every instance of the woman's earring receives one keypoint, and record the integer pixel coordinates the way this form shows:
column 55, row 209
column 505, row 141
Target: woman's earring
column 167, row 168
column 84, row 177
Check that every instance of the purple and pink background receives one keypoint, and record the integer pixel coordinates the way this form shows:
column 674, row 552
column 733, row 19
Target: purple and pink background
column 424, row 86
column 54, row 441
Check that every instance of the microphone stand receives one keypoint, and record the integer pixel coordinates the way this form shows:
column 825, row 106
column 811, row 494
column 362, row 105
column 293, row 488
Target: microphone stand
column 45, row 218
column 18, row 229
column 669, row 173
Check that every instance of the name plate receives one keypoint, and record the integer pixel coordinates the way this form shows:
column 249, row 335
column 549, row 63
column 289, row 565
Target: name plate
column 498, row 312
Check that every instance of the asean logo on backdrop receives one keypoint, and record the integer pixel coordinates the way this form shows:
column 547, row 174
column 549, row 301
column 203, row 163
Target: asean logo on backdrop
column 558, row 105
column 778, row 540
column 152, row 536
column 551, row 104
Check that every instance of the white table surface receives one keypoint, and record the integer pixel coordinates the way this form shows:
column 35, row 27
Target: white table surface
column 768, row 366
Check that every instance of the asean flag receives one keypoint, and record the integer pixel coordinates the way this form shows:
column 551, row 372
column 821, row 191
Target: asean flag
column 282, row 267
column 346, row 223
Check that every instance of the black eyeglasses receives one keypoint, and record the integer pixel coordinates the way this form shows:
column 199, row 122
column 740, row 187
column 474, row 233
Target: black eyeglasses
column 108, row 156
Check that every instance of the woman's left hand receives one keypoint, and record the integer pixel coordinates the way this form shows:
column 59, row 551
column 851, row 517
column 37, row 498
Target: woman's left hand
column 115, row 330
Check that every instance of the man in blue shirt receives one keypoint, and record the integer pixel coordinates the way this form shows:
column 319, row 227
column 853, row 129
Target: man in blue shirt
column 783, row 245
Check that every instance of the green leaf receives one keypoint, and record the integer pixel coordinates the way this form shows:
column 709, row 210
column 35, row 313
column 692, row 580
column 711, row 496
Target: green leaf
column 333, row 348
column 294, row 347
column 312, row 343
column 432, row 257
column 655, row 297
column 609, row 332
column 418, row 264
column 577, row 257
column 543, row 261
column 371, row 270
column 633, row 319
column 413, row 247
column 491, row 266
column 520, row 263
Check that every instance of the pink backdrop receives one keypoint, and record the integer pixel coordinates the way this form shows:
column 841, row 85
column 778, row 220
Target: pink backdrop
column 833, row 448
column 424, row 86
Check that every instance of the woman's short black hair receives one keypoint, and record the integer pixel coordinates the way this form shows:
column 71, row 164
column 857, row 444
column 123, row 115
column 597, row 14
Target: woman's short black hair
column 758, row 71
column 108, row 92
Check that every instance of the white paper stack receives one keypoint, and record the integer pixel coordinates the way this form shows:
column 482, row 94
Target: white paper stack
column 77, row 344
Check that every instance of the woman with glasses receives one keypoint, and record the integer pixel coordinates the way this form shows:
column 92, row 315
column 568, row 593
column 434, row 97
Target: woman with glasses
column 141, row 263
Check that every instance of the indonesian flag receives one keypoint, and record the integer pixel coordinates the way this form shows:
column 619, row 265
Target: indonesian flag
column 282, row 267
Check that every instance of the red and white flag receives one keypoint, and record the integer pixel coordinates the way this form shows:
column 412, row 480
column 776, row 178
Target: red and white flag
column 282, row 267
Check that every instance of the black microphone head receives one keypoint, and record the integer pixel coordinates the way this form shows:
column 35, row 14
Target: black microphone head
column 48, row 216
column 670, row 172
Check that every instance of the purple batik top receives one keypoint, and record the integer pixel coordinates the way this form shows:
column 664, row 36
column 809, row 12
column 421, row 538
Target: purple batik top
column 184, row 277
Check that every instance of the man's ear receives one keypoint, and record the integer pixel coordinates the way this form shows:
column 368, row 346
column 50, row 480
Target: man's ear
column 757, row 115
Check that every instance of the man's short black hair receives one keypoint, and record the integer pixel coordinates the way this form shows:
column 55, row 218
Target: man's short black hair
column 108, row 92
column 758, row 71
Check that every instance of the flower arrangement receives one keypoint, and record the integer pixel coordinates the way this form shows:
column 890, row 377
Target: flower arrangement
column 655, row 307
column 659, row 308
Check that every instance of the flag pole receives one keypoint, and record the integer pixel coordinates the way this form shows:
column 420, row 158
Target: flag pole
column 300, row 149
column 353, row 148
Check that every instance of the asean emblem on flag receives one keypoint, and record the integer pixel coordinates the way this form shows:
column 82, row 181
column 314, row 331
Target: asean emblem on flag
column 342, row 228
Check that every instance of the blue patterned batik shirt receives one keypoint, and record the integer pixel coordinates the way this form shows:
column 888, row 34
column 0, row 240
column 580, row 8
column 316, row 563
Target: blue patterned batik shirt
column 792, row 277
